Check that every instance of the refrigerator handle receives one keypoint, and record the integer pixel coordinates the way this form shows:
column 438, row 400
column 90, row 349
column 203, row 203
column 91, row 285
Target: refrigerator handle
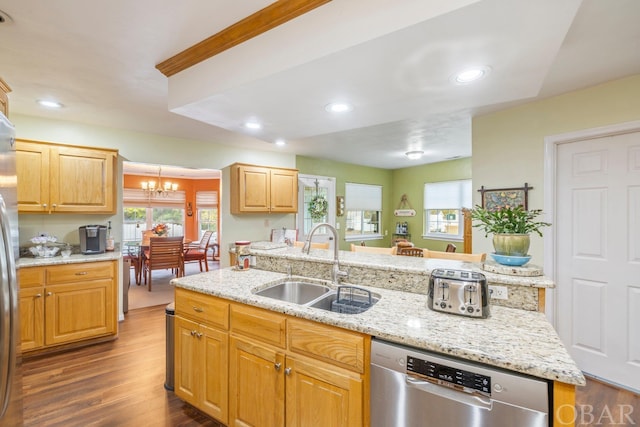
column 8, row 304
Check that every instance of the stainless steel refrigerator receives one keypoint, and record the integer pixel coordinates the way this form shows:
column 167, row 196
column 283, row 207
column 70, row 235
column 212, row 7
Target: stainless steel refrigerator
column 10, row 355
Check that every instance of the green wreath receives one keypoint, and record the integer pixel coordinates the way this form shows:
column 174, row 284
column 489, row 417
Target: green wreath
column 318, row 207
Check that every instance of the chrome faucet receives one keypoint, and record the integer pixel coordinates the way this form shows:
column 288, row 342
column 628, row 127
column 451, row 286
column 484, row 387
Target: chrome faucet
column 336, row 273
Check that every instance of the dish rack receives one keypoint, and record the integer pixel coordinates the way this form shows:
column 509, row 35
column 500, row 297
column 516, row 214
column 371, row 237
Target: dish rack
column 351, row 300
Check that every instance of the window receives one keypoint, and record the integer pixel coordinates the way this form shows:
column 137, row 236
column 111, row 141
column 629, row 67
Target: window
column 363, row 210
column 207, row 205
column 443, row 203
column 142, row 213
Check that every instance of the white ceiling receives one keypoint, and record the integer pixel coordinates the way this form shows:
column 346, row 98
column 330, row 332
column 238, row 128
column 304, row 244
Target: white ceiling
column 391, row 58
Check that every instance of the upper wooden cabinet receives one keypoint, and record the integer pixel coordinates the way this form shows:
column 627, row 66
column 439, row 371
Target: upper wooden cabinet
column 62, row 178
column 4, row 100
column 259, row 189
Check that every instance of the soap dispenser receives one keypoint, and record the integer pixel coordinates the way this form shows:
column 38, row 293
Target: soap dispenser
column 110, row 240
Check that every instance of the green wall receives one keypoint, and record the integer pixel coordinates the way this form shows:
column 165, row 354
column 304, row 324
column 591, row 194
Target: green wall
column 409, row 181
column 508, row 146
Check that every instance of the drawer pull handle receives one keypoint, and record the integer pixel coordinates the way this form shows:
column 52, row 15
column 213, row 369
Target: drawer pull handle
column 193, row 333
column 277, row 366
column 287, row 371
column 197, row 309
column 198, row 334
column 81, row 273
column 49, row 294
column 38, row 295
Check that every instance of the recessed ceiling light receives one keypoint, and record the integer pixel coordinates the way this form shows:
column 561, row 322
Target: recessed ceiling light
column 252, row 125
column 414, row 155
column 470, row 75
column 49, row 103
column 280, row 143
column 338, row 107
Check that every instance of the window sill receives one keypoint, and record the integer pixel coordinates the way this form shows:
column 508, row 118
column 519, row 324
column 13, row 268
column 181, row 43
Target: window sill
column 353, row 238
column 443, row 237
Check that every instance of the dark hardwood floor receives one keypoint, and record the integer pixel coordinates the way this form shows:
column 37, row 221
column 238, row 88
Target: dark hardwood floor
column 120, row 383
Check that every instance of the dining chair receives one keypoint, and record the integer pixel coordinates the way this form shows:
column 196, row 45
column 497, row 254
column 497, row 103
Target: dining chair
column 314, row 245
column 411, row 251
column 373, row 250
column 198, row 252
column 450, row 248
column 479, row 257
column 163, row 253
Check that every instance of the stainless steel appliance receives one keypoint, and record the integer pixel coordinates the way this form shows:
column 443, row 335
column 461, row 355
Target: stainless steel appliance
column 93, row 239
column 10, row 356
column 459, row 292
column 415, row 388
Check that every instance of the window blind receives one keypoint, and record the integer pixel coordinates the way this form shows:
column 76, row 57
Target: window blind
column 206, row 199
column 448, row 195
column 363, row 197
column 136, row 197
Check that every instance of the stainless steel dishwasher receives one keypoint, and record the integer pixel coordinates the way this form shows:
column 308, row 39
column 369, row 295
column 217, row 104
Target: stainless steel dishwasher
column 415, row 388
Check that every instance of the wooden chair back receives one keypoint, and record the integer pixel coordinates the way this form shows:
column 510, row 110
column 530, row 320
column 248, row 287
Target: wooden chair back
column 164, row 253
column 411, row 251
column 373, row 250
column 450, row 248
column 455, row 256
column 204, row 242
column 199, row 251
column 314, row 245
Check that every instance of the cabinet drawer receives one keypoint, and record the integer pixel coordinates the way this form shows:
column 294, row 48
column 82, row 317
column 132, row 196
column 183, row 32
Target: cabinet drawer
column 80, row 272
column 202, row 308
column 30, row 277
column 259, row 324
column 327, row 343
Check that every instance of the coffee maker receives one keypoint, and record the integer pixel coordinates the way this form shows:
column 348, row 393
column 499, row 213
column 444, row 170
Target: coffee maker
column 93, row 239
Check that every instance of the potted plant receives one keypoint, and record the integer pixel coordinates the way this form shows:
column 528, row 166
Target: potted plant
column 510, row 227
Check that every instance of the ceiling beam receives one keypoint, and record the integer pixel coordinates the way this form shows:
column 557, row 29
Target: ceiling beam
column 253, row 25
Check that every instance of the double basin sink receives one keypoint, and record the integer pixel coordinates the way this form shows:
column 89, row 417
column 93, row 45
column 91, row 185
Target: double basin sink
column 345, row 299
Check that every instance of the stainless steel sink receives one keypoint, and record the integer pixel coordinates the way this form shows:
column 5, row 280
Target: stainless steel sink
column 296, row 291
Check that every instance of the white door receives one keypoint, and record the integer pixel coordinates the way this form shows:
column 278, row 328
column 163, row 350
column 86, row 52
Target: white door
column 598, row 255
column 309, row 187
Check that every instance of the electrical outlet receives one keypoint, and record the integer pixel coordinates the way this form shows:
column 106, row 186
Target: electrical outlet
column 498, row 292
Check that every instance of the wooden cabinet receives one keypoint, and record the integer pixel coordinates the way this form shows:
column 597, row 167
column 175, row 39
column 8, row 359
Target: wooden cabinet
column 258, row 189
column 4, row 99
column 62, row 178
column 313, row 374
column 201, row 352
column 67, row 303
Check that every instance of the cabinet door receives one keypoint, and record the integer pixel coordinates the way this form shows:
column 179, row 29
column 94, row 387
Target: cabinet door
column 214, row 347
column 187, row 370
column 256, row 385
column 77, row 311
column 32, row 167
column 82, row 180
column 284, row 191
column 253, row 189
column 322, row 395
column 32, row 318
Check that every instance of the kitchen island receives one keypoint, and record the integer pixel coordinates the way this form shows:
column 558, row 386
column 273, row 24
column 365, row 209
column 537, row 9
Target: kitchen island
column 517, row 340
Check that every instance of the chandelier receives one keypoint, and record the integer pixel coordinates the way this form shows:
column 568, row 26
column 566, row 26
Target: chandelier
column 161, row 189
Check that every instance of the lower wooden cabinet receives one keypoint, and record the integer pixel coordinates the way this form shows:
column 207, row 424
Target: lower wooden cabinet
column 281, row 370
column 67, row 303
column 201, row 367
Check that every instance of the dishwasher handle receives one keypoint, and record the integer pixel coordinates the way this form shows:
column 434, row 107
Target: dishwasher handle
column 448, row 393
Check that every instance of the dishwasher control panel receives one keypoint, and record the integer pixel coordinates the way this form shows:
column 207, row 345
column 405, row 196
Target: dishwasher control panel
column 453, row 377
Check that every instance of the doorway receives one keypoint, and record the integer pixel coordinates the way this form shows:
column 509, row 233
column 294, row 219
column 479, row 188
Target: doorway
column 309, row 187
column 595, row 197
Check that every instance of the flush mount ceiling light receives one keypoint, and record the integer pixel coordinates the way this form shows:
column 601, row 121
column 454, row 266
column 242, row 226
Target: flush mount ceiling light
column 338, row 107
column 414, row 155
column 49, row 103
column 252, row 125
column 280, row 143
column 470, row 75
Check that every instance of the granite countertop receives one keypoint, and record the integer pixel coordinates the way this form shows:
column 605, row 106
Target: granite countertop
column 403, row 264
column 74, row 258
column 513, row 339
